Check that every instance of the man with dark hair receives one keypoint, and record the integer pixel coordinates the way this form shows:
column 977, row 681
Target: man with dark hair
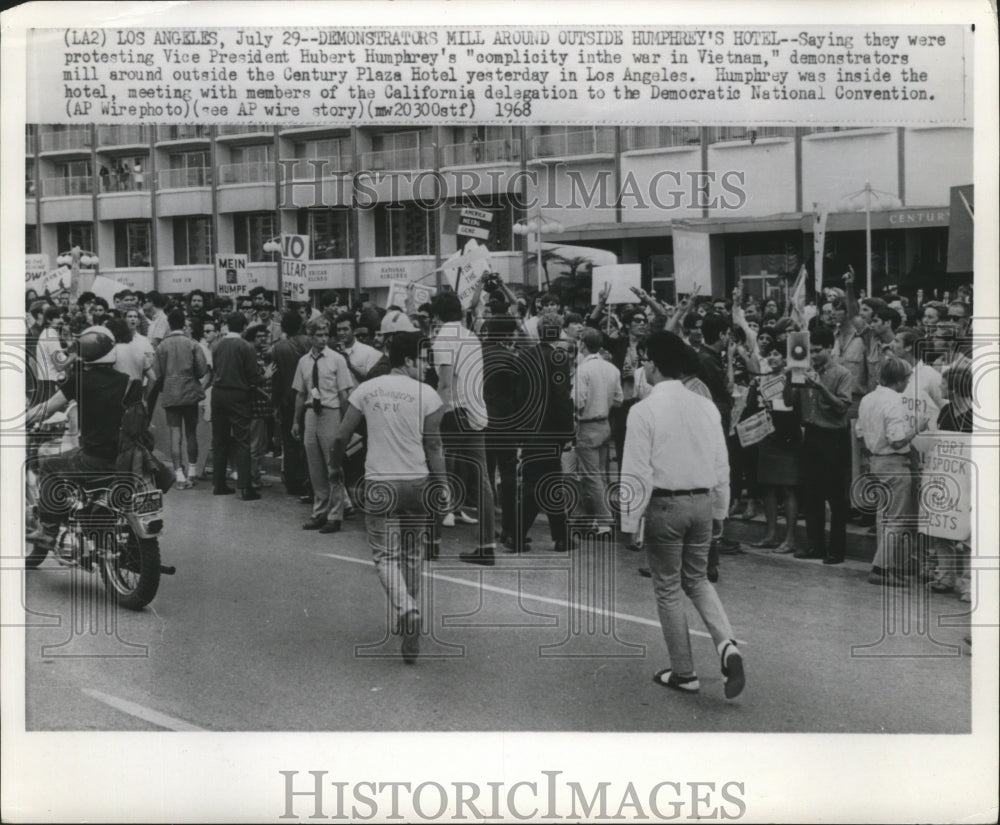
column 823, row 404
column 360, row 357
column 98, row 310
column 404, row 455
column 458, row 360
column 196, row 304
column 181, row 364
column 676, row 471
column 285, row 356
column 235, row 368
column 322, row 383
column 158, row 326
column 544, row 416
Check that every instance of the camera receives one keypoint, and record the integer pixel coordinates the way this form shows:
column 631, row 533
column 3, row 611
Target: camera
column 491, row 281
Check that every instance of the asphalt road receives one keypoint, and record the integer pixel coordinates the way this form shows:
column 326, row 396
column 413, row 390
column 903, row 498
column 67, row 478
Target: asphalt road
column 266, row 627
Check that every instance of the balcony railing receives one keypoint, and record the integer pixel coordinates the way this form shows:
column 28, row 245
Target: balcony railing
column 332, row 167
column 132, row 182
column 123, row 135
column 488, row 151
column 660, row 137
column 65, row 140
column 185, row 178
column 399, row 159
column 30, row 141
column 67, row 187
column 723, row 134
column 243, row 130
column 246, row 173
column 183, row 132
column 597, row 141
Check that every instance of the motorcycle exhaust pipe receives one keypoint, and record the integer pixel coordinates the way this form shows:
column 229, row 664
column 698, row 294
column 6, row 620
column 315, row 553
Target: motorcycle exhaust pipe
column 167, row 571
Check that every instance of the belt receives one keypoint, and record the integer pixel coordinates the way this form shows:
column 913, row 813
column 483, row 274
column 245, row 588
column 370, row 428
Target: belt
column 591, row 420
column 700, row 491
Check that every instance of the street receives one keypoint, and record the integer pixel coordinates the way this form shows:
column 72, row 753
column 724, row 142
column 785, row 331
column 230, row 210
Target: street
column 266, row 627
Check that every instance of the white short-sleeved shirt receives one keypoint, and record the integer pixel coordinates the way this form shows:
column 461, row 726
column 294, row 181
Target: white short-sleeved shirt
column 457, row 347
column 394, row 407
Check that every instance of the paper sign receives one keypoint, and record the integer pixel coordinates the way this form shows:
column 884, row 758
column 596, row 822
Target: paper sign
column 755, row 428
column 35, row 267
column 56, row 281
column 945, row 501
column 466, row 222
column 397, row 294
column 620, row 277
column 231, row 276
column 295, row 267
column 771, row 386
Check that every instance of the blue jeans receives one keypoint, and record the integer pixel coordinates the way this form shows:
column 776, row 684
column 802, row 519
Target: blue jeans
column 678, row 533
column 398, row 521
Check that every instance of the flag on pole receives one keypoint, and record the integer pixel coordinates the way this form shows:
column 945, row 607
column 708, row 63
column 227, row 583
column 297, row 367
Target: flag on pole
column 819, row 238
column 797, row 299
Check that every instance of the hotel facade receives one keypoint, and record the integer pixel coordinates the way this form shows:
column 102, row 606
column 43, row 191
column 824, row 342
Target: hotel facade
column 156, row 204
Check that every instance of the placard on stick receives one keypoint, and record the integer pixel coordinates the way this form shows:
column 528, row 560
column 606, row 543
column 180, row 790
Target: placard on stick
column 621, row 278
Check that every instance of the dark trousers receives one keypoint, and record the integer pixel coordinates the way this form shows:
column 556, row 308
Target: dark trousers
column 542, row 489
column 501, row 454
column 294, row 471
column 230, row 435
column 826, row 470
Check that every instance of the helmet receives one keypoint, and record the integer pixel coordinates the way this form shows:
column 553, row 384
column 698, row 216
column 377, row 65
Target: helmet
column 396, row 321
column 96, row 346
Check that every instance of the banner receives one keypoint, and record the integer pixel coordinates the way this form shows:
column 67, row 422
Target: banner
column 819, row 239
column 797, row 299
column 945, row 500
column 295, row 267
column 56, row 281
column 398, row 290
column 473, row 265
column 231, row 276
column 692, row 260
column 620, row 277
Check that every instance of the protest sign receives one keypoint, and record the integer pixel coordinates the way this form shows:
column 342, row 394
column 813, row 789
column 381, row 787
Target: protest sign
column 295, row 267
column 754, row 428
column 945, row 500
column 620, row 277
column 231, row 276
column 397, row 294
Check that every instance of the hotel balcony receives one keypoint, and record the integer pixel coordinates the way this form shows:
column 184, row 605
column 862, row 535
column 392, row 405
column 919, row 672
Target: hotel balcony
column 30, row 143
column 243, row 134
column 490, row 152
column 596, row 142
column 76, row 141
column 246, row 186
column 177, row 135
column 124, row 136
column 651, row 138
column 184, row 191
column 67, row 187
column 398, row 160
column 67, row 199
column 335, row 183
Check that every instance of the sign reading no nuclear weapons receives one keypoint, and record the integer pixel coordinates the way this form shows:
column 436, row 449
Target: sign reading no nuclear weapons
column 295, row 267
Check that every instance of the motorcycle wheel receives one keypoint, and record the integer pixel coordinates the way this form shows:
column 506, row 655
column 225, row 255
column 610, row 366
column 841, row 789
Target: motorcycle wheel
column 132, row 568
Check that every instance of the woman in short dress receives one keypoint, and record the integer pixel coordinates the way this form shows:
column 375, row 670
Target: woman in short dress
column 778, row 466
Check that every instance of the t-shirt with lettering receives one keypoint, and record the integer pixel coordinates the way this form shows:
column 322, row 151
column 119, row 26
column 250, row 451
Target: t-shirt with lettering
column 394, row 407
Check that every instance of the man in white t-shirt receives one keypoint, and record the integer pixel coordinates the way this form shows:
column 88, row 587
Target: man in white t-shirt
column 404, row 450
column 458, row 360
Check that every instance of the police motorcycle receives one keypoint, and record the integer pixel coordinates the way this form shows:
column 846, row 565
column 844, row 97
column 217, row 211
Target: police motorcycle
column 110, row 523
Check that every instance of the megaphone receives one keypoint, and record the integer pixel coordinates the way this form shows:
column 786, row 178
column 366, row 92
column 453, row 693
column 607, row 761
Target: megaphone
column 798, row 357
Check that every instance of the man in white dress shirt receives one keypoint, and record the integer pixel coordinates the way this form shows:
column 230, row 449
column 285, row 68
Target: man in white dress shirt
column 675, row 469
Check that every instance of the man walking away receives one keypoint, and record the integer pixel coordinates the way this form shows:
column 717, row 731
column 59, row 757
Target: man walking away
column 676, row 471
column 235, row 365
column 404, row 453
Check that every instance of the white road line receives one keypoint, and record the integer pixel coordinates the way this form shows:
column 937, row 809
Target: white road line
column 480, row 585
column 144, row 713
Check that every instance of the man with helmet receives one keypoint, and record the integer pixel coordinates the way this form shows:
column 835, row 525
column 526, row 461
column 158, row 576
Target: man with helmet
column 99, row 391
column 395, row 320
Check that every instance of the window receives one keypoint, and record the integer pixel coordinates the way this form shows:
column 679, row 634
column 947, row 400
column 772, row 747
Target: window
column 260, row 153
column 187, row 169
column 189, row 160
column 29, row 179
column 251, row 230
column 404, row 229
column 335, row 151
column 192, row 240
column 69, row 235
column 132, row 243
column 32, row 246
column 328, row 231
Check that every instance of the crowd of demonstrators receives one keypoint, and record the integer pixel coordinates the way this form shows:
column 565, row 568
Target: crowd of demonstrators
column 529, row 406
